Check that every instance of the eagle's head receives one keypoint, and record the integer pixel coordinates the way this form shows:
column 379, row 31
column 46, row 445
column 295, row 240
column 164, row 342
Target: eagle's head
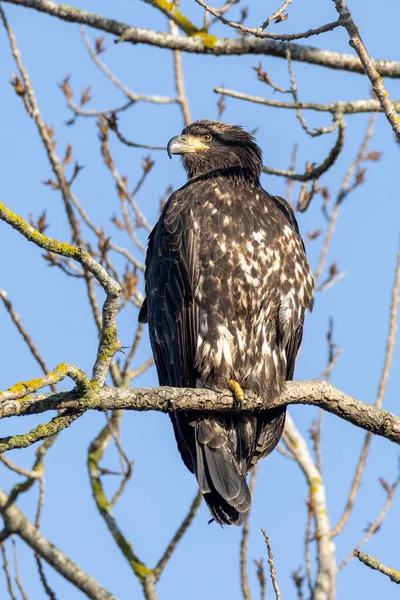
column 209, row 146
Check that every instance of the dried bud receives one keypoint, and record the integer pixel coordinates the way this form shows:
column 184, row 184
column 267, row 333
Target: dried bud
column 52, row 184
column 262, row 75
column 41, row 224
column 66, row 88
column 313, row 235
column 130, row 282
column 325, row 193
column 86, row 95
column 68, row 156
column 385, row 485
column 147, row 164
column 99, row 45
column 17, row 84
column 333, row 270
column 281, row 18
column 374, row 156
column 118, row 223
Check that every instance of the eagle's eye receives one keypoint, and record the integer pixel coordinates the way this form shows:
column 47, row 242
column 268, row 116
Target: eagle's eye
column 206, row 137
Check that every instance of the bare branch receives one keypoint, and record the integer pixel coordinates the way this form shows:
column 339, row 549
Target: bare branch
column 272, row 567
column 6, row 569
column 165, row 399
column 244, row 580
column 95, row 454
column 17, row 573
column 132, row 96
column 374, row 563
column 186, row 523
column 314, row 172
column 18, row 523
column 27, row 338
column 325, row 578
column 109, row 343
column 345, row 189
column 203, row 43
column 370, row 69
column 349, row 107
column 259, row 33
column 179, row 79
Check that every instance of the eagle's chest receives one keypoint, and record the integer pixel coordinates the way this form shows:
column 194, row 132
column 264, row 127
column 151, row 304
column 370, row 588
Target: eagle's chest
column 236, row 255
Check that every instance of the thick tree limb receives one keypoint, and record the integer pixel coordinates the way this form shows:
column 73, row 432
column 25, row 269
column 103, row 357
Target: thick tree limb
column 203, row 43
column 165, row 399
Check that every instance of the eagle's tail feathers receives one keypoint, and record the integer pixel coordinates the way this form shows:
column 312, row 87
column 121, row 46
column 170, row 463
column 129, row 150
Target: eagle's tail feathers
column 226, row 477
column 222, row 512
column 220, row 478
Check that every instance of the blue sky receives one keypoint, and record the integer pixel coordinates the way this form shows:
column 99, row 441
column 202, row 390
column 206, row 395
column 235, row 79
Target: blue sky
column 55, row 311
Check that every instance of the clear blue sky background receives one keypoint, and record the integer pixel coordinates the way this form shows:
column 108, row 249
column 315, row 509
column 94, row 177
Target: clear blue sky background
column 54, row 308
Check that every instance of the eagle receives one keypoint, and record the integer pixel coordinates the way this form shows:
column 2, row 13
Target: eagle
column 227, row 285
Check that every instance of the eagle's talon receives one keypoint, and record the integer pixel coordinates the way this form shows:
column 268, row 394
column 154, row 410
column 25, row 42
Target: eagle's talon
column 238, row 394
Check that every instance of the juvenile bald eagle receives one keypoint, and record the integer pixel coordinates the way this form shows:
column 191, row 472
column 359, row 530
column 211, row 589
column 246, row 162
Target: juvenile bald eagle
column 227, row 285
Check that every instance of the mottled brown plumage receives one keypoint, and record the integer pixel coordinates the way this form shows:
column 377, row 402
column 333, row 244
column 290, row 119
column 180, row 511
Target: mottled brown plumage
column 227, row 285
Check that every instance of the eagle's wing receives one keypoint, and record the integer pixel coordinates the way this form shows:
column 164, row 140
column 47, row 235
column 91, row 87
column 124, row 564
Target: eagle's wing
column 171, row 276
column 169, row 307
column 208, row 444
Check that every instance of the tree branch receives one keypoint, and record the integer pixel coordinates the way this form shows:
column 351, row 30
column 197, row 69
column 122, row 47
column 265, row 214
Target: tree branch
column 16, row 522
column 167, row 399
column 374, row 563
column 203, row 43
column 370, row 69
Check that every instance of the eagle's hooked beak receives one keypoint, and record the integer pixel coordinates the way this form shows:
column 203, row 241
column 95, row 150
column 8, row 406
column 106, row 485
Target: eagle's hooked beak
column 182, row 144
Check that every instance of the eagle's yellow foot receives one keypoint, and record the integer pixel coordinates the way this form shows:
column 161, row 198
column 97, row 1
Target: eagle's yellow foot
column 238, row 392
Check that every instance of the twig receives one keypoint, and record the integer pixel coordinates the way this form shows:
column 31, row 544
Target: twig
column 374, row 563
column 179, row 79
column 344, row 191
column 277, row 16
column 259, row 33
column 6, row 570
column 42, row 576
column 350, row 107
column 27, row 338
column 261, row 577
column 272, row 567
column 244, row 580
column 10, row 465
column 133, row 97
column 131, row 144
column 186, row 523
column 376, row 525
column 316, row 172
column 17, row 573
